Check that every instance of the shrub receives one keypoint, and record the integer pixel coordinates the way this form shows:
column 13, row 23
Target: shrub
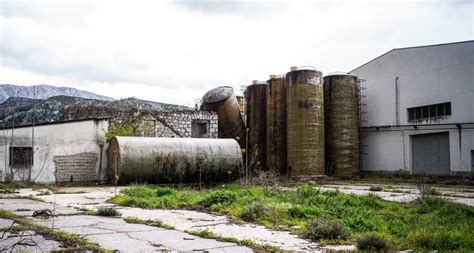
column 108, row 211
column 372, row 242
column 321, row 228
column 218, row 197
column 376, row 188
column 258, row 211
column 162, row 191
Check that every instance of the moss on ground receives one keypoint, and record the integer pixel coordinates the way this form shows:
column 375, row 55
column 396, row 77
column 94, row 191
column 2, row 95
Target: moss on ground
column 425, row 224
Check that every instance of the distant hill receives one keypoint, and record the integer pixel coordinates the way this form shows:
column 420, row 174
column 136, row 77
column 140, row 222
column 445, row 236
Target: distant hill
column 26, row 111
column 45, row 91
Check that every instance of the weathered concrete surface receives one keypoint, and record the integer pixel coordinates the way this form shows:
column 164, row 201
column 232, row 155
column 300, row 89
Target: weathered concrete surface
column 116, row 234
column 29, row 240
column 409, row 192
column 26, row 207
column 94, row 197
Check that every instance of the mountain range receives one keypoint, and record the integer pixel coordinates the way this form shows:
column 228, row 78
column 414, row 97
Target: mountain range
column 19, row 110
column 44, row 91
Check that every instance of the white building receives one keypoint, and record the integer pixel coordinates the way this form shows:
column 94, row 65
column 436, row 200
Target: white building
column 420, row 110
column 59, row 152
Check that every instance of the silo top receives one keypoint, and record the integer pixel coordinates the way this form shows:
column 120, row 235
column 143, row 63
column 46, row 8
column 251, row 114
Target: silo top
column 218, row 94
column 304, row 76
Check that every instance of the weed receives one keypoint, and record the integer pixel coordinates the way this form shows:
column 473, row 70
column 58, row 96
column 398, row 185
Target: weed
column 372, row 242
column 358, row 214
column 108, row 211
column 219, row 197
column 321, row 228
column 154, row 223
column 23, row 210
column 202, row 233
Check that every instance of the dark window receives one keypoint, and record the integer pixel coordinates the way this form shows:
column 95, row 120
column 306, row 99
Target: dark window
column 411, row 114
column 429, row 112
column 433, row 111
column 447, row 109
column 21, row 156
column 200, row 128
column 418, row 113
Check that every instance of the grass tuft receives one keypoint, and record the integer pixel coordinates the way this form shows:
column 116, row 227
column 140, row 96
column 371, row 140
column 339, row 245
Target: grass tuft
column 108, row 211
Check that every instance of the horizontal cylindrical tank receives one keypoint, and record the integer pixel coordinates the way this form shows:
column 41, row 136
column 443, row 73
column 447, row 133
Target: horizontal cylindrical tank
column 179, row 160
column 223, row 101
column 276, row 124
column 256, row 95
column 305, row 122
column 341, row 109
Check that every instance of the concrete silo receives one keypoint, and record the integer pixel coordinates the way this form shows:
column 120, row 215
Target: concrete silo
column 256, row 97
column 223, row 101
column 341, row 112
column 305, row 122
column 276, row 124
column 173, row 160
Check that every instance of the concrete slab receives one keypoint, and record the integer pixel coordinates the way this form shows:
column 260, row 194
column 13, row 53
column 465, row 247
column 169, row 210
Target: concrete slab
column 5, row 223
column 15, row 205
column 30, row 242
column 116, row 234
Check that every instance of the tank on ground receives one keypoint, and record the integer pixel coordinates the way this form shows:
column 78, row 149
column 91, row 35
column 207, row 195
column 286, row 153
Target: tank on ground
column 173, row 160
column 255, row 95
column 276, row 124
column 305, row 122
column 223, row 101
column 341, row 114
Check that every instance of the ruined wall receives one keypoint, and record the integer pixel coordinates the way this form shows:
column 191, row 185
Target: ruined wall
column 148, row 123
column 76, row 168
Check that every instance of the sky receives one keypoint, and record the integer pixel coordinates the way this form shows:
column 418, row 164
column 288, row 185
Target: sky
column 175, row 51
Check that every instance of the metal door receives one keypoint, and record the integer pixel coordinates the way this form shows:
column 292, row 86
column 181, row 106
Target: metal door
column 430, row 154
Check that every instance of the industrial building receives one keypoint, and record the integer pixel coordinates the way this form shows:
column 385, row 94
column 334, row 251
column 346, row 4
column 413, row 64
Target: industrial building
column 76, row 149
column 418, row 110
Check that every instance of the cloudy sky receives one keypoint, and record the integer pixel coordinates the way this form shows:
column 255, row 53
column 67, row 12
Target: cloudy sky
column 174, row 51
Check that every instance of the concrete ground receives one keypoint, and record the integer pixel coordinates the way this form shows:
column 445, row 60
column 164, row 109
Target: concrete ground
column 114, row 233
column 404, row 192
column 80, row 198
column 21, row 241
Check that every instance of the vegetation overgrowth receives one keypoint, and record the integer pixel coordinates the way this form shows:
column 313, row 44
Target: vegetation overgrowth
column 428, row 223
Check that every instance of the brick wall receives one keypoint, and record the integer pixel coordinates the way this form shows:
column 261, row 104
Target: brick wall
column 82, row 167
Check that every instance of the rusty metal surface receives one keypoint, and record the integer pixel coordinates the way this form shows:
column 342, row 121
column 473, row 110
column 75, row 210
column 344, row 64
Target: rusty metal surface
column 342, row 125
column 305, row 123
column 223, row 101
column 177, row 160
column 276, row 125
column 256, row 97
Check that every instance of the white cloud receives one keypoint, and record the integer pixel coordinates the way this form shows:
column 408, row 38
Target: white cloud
column 174, row 51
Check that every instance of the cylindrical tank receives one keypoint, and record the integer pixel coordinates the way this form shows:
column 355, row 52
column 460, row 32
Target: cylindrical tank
column 256, row 97
column 341, row 114
column 223, row 101
column 179, row 160
column 276, row 124
column 305, row 122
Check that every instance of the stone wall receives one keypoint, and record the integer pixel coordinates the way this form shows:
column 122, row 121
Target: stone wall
column 78, row 167
column 149, row 123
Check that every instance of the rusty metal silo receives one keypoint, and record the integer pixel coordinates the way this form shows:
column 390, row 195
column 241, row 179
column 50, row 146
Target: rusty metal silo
column 256, row 97
column 341, row 114
column 223, row 101
column 276, row 124
column 305, row 122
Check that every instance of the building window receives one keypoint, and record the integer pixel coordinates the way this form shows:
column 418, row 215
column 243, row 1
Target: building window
column 200, row 128
column 21, row 156
column 429, row 112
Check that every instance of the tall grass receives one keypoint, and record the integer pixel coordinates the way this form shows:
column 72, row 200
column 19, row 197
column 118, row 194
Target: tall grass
column 431, row 223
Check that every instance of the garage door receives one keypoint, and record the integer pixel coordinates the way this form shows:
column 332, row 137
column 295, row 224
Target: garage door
column 430, row 153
